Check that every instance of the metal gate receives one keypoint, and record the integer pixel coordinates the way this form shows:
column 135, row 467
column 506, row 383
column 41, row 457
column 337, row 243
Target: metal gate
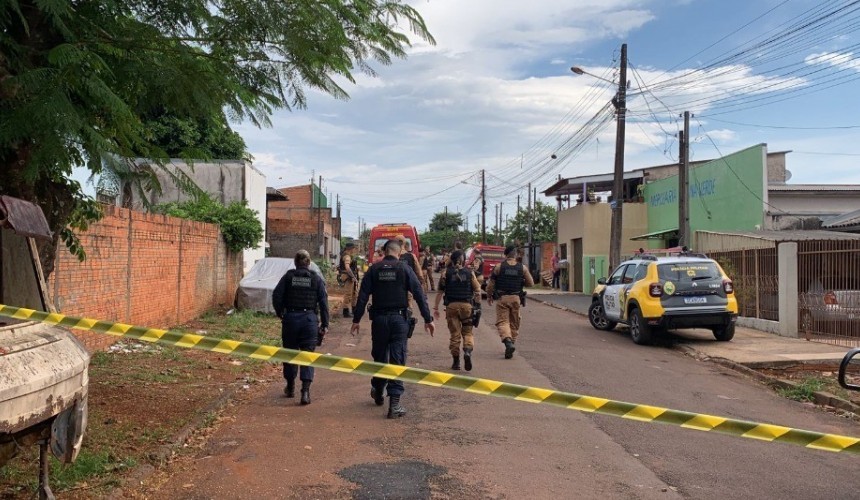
column 828, row 286
column 755, row 274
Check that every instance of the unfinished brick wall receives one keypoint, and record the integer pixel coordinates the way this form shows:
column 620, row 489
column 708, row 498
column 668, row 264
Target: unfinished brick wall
column 145, row 269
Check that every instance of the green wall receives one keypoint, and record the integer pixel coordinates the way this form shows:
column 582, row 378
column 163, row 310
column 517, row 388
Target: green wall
column 725, row 194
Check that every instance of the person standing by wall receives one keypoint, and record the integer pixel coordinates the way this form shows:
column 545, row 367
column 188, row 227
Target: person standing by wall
column 297, row 298
column 506, row 287
column 389, row 282
column 461, row 289
column 556, row 271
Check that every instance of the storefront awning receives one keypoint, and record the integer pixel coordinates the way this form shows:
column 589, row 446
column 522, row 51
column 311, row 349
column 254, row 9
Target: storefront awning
column 656, row 235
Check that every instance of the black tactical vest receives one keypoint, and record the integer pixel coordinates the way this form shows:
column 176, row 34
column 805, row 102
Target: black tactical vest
column 510, row 278
column 458, row 285
column 389, row 285
column 301, row 290
column 408, row 260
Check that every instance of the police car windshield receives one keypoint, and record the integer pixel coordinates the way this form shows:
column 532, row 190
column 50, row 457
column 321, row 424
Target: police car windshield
column 687, row 271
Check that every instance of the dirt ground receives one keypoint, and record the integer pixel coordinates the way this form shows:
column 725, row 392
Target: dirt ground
column 812, row 377
column 141, row 396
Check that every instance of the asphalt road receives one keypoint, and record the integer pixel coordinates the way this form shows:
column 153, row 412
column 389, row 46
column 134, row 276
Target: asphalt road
column 459, row 445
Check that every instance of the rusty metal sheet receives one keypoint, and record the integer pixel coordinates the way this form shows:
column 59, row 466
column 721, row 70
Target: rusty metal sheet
column 23, row 217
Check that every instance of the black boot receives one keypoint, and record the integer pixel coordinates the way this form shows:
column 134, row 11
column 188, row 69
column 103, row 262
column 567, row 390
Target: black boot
column 290, row 389
column 456, row 364
column 394, row 408
column 509, row 348
column 467, row 358
column 346, row 313
column 306, row 393
column 377, row 396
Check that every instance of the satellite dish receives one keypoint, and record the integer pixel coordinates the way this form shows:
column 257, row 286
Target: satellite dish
column 787, row 175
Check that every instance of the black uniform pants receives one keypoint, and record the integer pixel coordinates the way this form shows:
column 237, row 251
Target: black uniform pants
column 388, row 345
column 299, row 330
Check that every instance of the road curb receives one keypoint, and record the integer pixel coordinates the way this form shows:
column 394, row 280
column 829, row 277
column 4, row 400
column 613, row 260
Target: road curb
column 819, row 397
column 556, row 306
column 144, row 471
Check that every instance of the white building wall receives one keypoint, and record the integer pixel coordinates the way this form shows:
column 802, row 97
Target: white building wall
column 255, row 195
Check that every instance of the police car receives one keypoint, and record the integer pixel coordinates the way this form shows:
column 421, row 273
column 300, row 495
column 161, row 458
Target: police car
column 651, row 294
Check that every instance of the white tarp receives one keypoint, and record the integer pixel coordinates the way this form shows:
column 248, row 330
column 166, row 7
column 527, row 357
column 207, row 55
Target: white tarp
column 255, row 289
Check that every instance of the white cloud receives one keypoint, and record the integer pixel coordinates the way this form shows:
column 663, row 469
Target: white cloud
column 493, row 87
column 841, row 60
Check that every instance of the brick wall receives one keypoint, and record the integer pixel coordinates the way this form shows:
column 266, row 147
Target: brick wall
column 299, row 196
column 145, row 269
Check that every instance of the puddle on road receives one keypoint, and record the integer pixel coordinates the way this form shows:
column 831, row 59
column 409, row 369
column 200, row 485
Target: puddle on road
column 405, row 480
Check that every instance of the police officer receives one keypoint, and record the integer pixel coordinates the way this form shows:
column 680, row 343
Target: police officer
column 427, row 268
column 506, row 285
column 347, row 276
column 478, row 265
column 460, row 288
column 297, row 298
column 409, row 258
column 388, row 282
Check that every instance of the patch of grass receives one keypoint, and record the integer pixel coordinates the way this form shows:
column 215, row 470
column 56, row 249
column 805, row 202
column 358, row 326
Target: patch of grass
column 89, row 466
column 100, row 358
column 804, row 389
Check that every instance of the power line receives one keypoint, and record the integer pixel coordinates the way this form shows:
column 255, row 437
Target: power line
column 835, row 127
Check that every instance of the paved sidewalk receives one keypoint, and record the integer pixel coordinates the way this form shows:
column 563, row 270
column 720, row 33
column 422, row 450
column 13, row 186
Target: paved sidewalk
column 749, row 347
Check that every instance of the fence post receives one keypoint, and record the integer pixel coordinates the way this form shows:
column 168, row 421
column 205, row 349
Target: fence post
column 788, row 312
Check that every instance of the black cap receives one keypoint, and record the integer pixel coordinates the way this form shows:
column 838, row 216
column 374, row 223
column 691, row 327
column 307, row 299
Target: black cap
column 349, row 245
column 509, row 250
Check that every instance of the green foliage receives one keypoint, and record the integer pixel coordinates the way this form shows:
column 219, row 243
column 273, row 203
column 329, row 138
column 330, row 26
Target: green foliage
column 803, row 391
column 444, row 240
column 446, row 221
column 239, row 224
column 544, row 224
column 81, row 81
column 201, row 138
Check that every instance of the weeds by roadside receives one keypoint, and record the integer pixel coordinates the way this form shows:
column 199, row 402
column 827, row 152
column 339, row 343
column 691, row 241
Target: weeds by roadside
column 804, row 390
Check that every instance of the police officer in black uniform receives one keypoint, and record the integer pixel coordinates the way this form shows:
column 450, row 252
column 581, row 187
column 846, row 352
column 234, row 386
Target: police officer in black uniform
column 388, row 282
column 296, row 299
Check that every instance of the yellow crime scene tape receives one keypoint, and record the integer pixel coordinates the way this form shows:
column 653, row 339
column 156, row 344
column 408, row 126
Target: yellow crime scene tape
column 590, row 404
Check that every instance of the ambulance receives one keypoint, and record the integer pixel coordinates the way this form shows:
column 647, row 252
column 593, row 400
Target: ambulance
column 384, row 232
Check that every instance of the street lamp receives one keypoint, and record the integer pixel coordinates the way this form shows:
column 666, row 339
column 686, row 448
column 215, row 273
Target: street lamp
column 620, row 103
column 580, row 71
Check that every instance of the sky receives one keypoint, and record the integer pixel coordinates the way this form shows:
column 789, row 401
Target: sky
column 496, row 93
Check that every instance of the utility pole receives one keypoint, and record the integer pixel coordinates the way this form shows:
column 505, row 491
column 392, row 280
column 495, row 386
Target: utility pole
column 483, row 209
column 518, row 203
column 685, row 238
column 501, row 228
column 620, row 103
column 529, row 244
column 319, row 220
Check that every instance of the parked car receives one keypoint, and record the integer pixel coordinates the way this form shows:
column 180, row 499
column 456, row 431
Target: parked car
column 650, row 294
column 43, row 369
column 828, row 299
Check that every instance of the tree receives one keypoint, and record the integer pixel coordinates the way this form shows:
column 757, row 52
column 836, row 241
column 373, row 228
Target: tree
column 80, row 79
column 446, row 221
column 543, row 225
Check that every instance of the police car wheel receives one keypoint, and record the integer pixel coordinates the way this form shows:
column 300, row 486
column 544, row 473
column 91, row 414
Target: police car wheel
column 597, row 318
column 724, row 333
column 639, row 329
